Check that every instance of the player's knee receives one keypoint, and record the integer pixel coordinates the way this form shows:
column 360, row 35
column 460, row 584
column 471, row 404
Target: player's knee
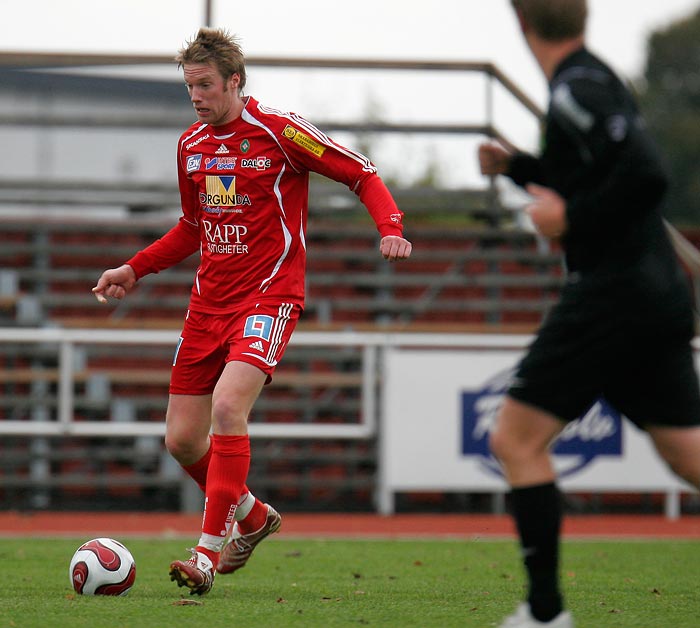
column 182, row 449
column 504, row 447
column 228, row 417
column 513, row 449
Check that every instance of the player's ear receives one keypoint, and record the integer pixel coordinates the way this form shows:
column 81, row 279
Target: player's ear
column 235, row 81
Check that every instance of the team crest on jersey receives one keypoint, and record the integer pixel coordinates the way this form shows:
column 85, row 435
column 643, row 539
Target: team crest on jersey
column 193, row 162
column 245, row 146
column 259, row 326
column 304, row 140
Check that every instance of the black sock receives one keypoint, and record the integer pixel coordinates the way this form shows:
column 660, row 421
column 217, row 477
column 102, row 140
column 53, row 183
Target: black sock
column 537, row 511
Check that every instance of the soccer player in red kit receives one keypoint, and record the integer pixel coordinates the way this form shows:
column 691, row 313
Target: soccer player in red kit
column 243, row 172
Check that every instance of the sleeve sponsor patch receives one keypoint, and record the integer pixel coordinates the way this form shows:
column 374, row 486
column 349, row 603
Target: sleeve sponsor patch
column 304, row 140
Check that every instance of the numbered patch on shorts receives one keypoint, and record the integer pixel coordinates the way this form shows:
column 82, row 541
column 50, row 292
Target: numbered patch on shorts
column 259, row 326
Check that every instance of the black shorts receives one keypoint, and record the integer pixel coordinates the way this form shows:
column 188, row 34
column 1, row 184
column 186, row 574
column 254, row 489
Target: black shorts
column 646, row 372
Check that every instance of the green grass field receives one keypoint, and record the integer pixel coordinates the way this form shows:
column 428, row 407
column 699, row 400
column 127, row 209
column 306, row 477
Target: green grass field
column 309, row 583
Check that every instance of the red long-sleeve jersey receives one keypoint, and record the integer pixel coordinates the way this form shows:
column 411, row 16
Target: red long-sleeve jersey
column 244, row 192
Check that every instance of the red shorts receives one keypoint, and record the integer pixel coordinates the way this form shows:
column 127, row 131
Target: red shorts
column 257, row 335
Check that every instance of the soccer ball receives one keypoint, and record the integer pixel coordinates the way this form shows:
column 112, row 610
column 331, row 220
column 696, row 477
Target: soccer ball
column 102, row 567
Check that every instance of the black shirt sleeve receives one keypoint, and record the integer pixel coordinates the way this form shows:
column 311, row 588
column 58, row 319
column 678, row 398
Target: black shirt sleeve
column 612, row 171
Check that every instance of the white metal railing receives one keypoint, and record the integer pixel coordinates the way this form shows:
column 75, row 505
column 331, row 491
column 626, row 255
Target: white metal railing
column 375, row 348
column 372, row 343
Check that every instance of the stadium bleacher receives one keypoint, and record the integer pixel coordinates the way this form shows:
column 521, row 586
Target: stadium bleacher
column 473, row 269
column 465, row 273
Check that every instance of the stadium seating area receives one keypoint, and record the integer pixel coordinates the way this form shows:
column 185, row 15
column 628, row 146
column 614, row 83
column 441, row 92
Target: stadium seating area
column 465, row 274
column 473, row 270
column 463, row 271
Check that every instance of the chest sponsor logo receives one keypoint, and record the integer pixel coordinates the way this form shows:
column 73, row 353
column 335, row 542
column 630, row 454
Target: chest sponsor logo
column 225, row 238
column 193, row 162
column 258, row 326
column 221, row 192
column 598, row 432
column 220, row 163
column 304, row 141
column 256, row 163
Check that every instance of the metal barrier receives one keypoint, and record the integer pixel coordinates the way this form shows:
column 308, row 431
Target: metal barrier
column 373, row 343
column 390, row 363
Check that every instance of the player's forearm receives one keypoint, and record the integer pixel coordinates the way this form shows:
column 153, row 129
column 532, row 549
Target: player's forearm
column 375, row 196
column 176, row 245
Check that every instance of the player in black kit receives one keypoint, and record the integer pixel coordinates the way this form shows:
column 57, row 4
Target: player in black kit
column 623, row 325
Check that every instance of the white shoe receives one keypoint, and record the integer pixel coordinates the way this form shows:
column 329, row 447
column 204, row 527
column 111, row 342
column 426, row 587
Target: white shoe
column 522, row 618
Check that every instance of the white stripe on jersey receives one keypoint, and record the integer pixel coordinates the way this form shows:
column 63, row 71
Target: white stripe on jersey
column 245, row 115
column 287, row 243
column 191, row 135
column 276, row 189
column 320, row 136
column 302, row 235
column 196, row 281
column 187, row 139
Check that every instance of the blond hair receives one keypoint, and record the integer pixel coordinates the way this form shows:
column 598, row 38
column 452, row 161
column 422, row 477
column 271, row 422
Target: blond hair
column 217, row 46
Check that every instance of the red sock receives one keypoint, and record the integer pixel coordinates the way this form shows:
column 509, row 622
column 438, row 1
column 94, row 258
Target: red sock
column 211, row 554
column 255, row 519
column 228, row 470
column 198, row 470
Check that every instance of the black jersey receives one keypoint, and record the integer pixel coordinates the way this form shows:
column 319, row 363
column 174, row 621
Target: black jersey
column 598, row 155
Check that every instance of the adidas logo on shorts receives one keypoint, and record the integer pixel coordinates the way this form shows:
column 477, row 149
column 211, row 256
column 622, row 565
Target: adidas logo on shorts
column 257, row 345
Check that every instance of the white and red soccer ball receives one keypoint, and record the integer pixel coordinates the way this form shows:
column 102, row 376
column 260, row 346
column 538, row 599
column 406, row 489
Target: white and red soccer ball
column 102, row 566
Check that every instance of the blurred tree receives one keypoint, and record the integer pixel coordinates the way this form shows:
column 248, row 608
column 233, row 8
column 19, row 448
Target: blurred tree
column 670, row 99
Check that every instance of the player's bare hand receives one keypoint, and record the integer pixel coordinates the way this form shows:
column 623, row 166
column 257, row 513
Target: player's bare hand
column 493, row 159
column 115, row 283
column 547, row 211
column 394, row 248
